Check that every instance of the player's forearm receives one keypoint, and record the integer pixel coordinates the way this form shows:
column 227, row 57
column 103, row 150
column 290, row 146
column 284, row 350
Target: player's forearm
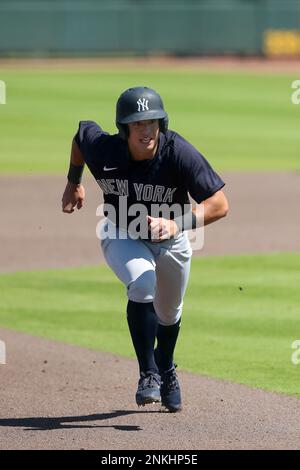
column 212, row 209
column 76, row 165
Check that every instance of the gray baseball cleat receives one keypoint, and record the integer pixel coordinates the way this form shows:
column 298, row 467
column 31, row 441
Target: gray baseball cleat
column 170, row 391
column 148, row 389
column 170, row 388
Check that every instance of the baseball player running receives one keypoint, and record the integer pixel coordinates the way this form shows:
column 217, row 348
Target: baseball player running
column 146, row 173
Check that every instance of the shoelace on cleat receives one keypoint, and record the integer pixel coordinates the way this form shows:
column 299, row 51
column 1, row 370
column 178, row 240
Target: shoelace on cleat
column 148, row 381
column 170, row 380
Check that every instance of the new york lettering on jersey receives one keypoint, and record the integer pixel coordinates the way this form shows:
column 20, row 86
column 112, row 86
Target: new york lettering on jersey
column 143, row 192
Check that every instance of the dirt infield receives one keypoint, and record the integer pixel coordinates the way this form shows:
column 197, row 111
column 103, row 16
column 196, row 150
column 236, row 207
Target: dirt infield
column 63, row 397
column 264, row 217
column 56, row 396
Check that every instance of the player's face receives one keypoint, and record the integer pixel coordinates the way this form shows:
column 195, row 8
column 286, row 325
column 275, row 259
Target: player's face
column 143, row 138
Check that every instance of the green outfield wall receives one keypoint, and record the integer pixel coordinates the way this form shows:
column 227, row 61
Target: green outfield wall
column 95, row 27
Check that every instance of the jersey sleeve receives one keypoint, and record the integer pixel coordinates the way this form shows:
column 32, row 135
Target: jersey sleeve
column 200, row 179
column 89, row 138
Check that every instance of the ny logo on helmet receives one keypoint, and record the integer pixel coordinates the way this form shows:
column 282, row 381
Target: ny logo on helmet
column 142, row 104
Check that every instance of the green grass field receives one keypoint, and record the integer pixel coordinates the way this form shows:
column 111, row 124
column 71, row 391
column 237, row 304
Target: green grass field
column 240, row 318
column 239, row 121
column 241, row 313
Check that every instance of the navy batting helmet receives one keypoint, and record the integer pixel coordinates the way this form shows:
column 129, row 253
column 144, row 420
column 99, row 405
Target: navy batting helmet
column 139, row 104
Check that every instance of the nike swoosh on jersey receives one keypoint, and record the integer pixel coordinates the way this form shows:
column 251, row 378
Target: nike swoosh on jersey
column 109, row 169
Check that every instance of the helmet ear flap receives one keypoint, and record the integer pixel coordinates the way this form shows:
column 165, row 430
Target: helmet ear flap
column 123, row 130
column 163, row 124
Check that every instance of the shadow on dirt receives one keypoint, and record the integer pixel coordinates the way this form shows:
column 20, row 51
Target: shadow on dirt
column 68, row 422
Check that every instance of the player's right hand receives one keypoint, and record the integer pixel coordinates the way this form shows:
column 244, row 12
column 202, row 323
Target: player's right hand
column 73, row 196
column 162, row 229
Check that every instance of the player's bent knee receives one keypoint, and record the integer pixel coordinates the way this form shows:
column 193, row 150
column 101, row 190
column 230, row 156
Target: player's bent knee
column 143, row 288
column 169, row 318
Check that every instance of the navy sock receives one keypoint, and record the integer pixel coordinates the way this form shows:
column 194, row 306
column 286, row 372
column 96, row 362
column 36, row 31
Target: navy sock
column 166, row 342
column 142, row 322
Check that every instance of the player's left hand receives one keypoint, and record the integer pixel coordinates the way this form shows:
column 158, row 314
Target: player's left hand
column 73, row 196
column 161, row 229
